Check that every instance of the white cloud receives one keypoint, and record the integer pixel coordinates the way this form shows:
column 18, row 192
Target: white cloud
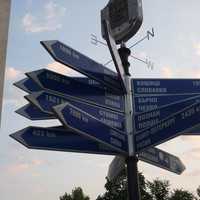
column 194, row 141
column 53, row 10
column 47, row 19
column 193, row 173
column 62, row 69
column 12, row 73
column 24, row 166
column 173, row 72
column 197, row 49
column 37, row 162
column 18, row 168
column 167, row 72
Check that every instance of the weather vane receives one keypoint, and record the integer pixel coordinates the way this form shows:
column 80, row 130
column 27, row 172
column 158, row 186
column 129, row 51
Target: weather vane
column 149, row 34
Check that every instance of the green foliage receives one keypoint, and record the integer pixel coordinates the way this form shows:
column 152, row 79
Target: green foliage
column 66, row 197
column 145, row 195
column 198, row 191
column 159, row 190
column 155, row 190
column 180, row 194
column 77, row 194
column 117, row 190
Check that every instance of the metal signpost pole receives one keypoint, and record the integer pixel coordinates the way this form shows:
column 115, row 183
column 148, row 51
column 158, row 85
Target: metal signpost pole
column 79, row 106
column 89, row 107
column 133, row 181
column 132, row 171
column 120, row 20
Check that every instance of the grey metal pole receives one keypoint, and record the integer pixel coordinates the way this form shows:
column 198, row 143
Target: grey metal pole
column 124, row 53
column 132, row 160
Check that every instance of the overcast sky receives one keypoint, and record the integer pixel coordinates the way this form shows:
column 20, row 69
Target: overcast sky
column 175, row 52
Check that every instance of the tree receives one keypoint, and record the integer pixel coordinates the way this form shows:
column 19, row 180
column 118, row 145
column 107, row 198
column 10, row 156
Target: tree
column 66, row 197
column 159, row 190
column 145, row 195
column 117, row 189
column 182, row 194
column 77, row 194
column 198, row 191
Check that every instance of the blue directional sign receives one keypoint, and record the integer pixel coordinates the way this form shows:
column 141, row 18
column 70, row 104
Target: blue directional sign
column 151, row 102
column 67, row 86
column 59, row 139
column 162, row 159
column 180, row 122
column 81, row 63
column 165, row 86
column 153, row 156
column 33, row 113
column 28, row 85
column 89, row 81
column 87, row 125
column 147, row 119
column 46, row 100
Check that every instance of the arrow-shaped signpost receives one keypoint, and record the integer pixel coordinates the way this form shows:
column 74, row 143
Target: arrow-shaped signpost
column 59, row 139
column 150, row 102
column 150, row 94
column 150, row 118
column 81, row 63
column 110, row 113
column 153, row 156
column 186, row 119
column 70, row 87
column 87, row 125
column 160, row 87
column 45, row 101
column 28, row 85
column 162, row 159
column 33, row 113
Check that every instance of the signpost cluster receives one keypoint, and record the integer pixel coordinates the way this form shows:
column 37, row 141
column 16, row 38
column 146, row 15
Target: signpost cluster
column 106, row 112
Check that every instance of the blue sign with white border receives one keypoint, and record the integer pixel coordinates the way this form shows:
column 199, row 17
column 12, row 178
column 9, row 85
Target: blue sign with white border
column 33, row 113
column 87, row 125
column 59, row 139
column 151, row 102
column 45, row 101
column 165, row 86
column 182, row 121
column 67, row 86
column 28, row 85
column 147, row 119
column 162, row 159
column 153, row 156
column 83, row 64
